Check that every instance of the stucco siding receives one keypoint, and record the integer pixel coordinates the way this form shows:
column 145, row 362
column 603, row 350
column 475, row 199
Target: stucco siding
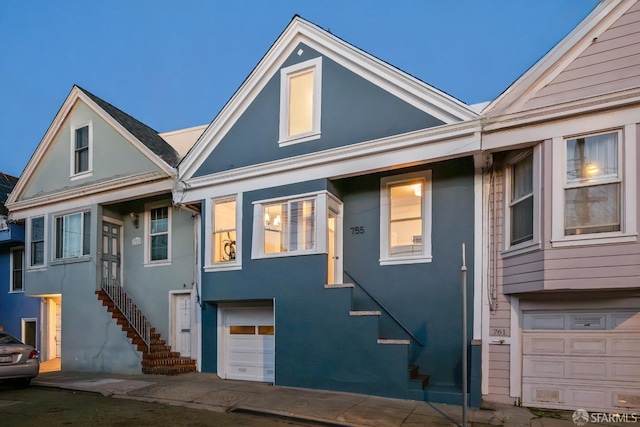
column 609, row 64
column 113, row 157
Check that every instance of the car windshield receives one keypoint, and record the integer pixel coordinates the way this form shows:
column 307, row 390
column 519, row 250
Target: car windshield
column 8, row 339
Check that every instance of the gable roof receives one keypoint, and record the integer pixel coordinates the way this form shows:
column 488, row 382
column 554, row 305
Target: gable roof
column 148, row 136
column 141, row 136
column 404, row 86
column 514, row 98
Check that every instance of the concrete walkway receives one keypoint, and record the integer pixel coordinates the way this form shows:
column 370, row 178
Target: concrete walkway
column 208, row 392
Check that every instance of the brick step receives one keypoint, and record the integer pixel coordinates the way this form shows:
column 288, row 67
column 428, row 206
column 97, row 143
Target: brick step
column 168, row 362
column 168, row 370
column 157, row 348
column 161, row 355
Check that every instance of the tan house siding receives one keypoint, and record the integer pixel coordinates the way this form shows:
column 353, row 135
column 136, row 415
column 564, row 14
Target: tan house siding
column 611, row 63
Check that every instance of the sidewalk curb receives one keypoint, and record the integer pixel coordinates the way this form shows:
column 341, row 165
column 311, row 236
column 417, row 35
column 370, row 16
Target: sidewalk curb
column 291, row 416
column 44, row 384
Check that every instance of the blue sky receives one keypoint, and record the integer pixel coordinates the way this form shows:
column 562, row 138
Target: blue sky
column 174, row 64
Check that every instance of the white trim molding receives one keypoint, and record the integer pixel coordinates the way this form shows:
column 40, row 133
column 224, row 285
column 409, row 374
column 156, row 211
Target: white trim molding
column 424, row 179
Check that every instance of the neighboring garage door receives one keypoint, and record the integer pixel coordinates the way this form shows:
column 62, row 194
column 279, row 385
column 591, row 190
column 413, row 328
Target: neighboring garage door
column 249, row 343
column 581, row 360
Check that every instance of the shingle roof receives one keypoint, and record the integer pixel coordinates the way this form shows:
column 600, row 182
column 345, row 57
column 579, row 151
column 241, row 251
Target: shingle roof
column 142, row 132
column 7, row 182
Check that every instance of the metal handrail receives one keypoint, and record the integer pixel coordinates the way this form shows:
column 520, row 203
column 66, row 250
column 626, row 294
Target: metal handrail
column 123, row 302
column 395, row 319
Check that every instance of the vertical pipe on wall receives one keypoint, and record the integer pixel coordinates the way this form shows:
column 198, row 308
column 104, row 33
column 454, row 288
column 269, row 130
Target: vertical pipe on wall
column 463, row 271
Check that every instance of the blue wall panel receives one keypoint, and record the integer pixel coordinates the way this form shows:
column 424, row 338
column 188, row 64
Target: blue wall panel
column 353, row 110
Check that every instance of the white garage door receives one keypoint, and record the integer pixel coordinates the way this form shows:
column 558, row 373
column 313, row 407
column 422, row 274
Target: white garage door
column 249, row 343
column 581, row 360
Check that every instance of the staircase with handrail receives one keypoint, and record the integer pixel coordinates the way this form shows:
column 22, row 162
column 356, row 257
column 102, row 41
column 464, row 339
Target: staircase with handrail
column 157, row 357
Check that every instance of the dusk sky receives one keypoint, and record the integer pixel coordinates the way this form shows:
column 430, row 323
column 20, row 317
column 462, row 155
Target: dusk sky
column 174, row 64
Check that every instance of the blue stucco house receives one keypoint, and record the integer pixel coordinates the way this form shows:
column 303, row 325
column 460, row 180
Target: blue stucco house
column 19, row 314
column 107, row 254
column 336, row 192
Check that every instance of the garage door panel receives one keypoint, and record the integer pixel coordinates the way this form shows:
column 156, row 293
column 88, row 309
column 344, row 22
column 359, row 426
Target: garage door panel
column 625, row 346
column 543, row 345
column 595, row 346
column 535, row 367
column 594, row 370
column 629, row 371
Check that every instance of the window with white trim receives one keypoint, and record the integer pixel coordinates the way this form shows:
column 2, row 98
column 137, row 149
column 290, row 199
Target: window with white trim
column 291, row 226
column 593, row 183
column 405, row 218
column 17, row 270
column 158, row 235
column 224, row 231
column 81, row 150
column 72, row 235
column 521, row 206
column 37, row 245
column 300, row 101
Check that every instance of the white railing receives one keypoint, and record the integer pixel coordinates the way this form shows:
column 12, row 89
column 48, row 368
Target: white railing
column 123, row 302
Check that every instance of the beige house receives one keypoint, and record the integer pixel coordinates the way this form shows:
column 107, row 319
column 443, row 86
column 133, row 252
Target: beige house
column 562, row 256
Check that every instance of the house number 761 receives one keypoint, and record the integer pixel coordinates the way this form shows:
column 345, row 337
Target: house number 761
column 357, row 230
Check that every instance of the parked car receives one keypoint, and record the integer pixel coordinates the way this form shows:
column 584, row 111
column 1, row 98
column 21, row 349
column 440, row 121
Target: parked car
column 19, row 362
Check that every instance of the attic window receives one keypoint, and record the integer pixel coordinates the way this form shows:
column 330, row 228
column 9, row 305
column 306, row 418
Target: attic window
column 81, row 150
column 300, row 97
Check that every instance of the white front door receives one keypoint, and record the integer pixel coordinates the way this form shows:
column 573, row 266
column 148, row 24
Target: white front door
column 182, row 324
column 249, row 343
column 58, row 333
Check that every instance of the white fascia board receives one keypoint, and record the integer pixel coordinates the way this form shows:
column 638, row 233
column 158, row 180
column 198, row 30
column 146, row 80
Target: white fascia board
column 559, row 128
column 560, row 56
column 406, row 87
column 128, row 188
column 399, row 151
column 598, row 103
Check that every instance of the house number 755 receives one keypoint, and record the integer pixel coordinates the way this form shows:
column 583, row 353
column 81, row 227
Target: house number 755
column 357, row 230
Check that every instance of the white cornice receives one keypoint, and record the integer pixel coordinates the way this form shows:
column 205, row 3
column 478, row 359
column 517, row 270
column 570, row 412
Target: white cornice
column 438, row 143
column 66, row 109
column 559, row 111
column 132, row 183
column 406, row 87
column 558, row 58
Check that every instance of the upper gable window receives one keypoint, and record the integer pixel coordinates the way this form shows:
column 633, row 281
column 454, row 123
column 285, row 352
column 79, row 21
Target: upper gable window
column 300, row 100
column 81, row 150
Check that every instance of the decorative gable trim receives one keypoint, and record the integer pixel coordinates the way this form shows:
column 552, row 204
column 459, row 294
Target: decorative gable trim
column 408, row 88
column 77, row 95
column 558, row 58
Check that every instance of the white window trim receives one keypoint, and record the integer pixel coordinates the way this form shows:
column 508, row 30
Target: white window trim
column 535, row 242
column 227, row 266
column 385, row 183
column 147, row 234
column 286, row 73
column 24, row 260
column 257, row 244
column 72, row 152
column 27, row 252
column 54, row 238
column 627, row 162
